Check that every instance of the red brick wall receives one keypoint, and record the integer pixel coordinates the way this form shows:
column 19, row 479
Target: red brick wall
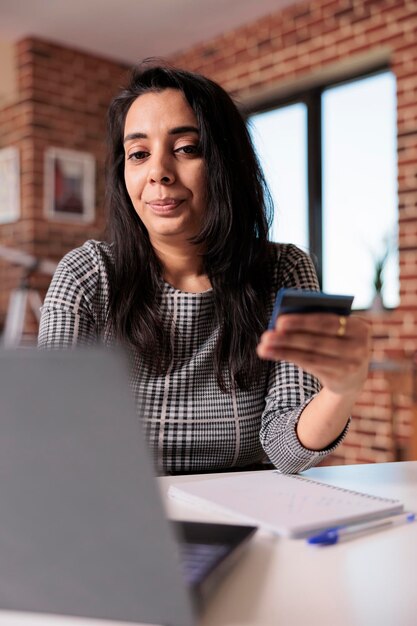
column 64, row 95
column 14, row 127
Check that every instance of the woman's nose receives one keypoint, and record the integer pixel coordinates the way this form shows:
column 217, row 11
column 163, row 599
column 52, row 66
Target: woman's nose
column 160, row 171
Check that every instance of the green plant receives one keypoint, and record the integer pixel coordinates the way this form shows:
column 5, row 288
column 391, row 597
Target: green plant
column 379, row 269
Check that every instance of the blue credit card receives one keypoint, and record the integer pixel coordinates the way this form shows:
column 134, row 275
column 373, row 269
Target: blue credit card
column 303, row 301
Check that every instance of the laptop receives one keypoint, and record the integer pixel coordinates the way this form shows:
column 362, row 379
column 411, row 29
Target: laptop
column 83, row 529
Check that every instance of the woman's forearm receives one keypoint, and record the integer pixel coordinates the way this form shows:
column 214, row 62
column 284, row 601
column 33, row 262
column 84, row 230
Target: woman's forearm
column 324, row 419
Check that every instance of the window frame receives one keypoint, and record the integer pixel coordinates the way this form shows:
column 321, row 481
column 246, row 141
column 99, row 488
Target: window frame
column 311, row 97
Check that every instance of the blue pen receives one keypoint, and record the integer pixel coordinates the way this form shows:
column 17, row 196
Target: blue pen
column 344, row 533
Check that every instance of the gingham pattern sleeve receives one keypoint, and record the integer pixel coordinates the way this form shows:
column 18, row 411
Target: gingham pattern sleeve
column 290, row 388
column 68, row 315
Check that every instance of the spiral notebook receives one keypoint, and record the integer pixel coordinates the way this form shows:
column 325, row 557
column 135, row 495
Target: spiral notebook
column 289, row 505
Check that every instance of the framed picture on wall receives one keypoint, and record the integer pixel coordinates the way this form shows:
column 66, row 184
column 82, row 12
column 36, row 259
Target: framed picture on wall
column 69, row 185
column 9, row 185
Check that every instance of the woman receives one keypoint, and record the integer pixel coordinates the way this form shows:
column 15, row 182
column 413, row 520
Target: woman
column 188, row 284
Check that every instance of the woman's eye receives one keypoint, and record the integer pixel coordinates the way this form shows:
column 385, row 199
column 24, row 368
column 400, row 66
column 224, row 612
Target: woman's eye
column 188, row 149
column 138, row 156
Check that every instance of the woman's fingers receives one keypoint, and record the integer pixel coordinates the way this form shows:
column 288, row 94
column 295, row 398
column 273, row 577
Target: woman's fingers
column 339, row 326
column 336, row 350
column 325, row 334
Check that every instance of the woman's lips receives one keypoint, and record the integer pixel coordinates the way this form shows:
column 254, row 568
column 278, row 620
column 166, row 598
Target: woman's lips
column 164, row 206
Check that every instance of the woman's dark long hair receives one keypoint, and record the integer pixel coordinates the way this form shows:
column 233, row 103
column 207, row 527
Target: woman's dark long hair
column 234, row 231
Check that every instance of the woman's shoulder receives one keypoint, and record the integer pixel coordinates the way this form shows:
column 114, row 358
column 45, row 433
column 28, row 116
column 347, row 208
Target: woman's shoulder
column 288, row 252
column 292, row 266
column 93, row 256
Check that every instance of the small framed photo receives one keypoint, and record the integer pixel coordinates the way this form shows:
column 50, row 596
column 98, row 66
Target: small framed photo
column 9, row 185
column 69, row 185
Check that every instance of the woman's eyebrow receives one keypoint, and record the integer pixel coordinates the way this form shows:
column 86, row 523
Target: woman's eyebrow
column 132, row 136
column 178, row 130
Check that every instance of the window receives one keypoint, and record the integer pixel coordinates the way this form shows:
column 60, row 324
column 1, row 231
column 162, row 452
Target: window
column 280, row 138
column 330, row 161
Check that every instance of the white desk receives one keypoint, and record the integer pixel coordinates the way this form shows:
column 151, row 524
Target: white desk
column 370, row 581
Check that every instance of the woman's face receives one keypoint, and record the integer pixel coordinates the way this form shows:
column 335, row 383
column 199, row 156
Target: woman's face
column 164, row 170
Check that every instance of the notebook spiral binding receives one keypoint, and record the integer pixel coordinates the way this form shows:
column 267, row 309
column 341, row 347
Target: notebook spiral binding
column 344, row 489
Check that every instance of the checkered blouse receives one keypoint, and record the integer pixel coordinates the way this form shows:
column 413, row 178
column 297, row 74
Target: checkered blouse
column 190, row 424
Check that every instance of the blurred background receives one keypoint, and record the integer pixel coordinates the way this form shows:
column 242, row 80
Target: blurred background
column 329, row 91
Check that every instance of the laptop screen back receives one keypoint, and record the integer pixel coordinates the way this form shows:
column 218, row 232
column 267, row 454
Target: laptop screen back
column 83, row 531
